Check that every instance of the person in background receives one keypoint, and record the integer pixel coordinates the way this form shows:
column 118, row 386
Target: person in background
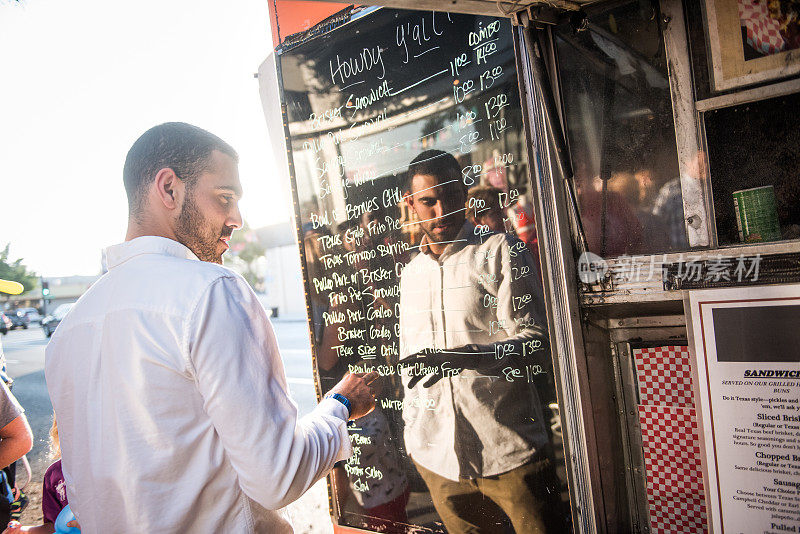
column 669, row 203
column 483, row 207
column 54, row 493
column 172, row 402
column 627, row 186
column 521, row 214
column 16, row 438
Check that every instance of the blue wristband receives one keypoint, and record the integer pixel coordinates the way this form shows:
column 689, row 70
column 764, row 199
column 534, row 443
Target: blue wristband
column 344, row 400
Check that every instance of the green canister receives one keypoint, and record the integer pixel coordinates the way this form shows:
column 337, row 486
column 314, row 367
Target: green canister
column 756, row 214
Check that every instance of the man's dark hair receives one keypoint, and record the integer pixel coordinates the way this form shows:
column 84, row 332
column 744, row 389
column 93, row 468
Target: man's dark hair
column 184, row 148
column 435, row 163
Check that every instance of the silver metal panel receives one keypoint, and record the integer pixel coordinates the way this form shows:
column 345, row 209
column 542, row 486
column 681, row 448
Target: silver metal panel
column 712, row 222
column 659, row 321
column 638, row 279
column 696, row 214
column 621, row 335
column 558, row 272
column 646, row 329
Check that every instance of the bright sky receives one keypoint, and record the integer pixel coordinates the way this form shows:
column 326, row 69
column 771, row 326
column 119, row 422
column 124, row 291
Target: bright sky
column 81, row 80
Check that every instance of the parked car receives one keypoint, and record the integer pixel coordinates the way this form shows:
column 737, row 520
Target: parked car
column 5, row 324
column 50, row 322
column 32, row 314
column 17, row 320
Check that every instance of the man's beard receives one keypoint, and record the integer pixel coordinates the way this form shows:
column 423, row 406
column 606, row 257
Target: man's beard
column 194, row 231
column 449, row 235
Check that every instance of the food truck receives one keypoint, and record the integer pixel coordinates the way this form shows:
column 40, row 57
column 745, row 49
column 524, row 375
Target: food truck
column 565, row 234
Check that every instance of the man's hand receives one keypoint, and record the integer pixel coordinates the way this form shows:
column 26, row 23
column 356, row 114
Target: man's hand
column 14, row 527
column 360, row 391
column 434, row 363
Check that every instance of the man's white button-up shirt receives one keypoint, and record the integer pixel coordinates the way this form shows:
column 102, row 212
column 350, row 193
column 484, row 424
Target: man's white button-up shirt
column 172, row 404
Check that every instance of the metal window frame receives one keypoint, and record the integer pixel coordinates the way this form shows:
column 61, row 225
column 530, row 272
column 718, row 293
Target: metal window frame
column 625, row 380
column 689, row 122
column 688, row 136
column 653, row 331
column 748, row 96
column 561, row 291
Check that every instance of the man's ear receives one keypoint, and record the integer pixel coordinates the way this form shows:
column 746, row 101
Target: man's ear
column 168, row 188
column 409, row 199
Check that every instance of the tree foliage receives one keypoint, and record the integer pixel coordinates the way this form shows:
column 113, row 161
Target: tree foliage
column 245, row 257
column 16, row 270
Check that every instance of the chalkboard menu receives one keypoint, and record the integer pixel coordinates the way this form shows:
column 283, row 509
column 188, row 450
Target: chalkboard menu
column 410, row 175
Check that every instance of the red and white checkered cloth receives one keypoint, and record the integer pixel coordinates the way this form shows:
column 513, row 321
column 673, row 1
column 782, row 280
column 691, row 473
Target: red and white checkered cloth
column 664, row 375
column 674, row 477
column 670, row 441
column 670, row 515
column 763, row 32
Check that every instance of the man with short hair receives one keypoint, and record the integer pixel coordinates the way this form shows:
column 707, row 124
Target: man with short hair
column 471, row 322
column 172, row 404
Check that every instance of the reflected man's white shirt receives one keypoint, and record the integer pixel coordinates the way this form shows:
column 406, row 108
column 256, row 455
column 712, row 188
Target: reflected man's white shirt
column 471, row 424
column 172, row 404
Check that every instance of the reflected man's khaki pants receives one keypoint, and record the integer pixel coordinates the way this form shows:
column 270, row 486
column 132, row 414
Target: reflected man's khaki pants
column 527, row 496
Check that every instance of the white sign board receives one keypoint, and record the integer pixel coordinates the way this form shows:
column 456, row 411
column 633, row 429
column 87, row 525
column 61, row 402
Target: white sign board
column 746, row 344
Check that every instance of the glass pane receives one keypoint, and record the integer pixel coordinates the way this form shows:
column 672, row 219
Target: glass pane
column 427, row 272
column 620, row 131
column 754, row 159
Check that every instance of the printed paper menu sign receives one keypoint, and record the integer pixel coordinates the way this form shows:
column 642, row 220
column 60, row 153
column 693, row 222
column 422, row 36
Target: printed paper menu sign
column 747, row 360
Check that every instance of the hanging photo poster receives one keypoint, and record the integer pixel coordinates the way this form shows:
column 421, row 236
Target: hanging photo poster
column 747, row 365
column 752, row 41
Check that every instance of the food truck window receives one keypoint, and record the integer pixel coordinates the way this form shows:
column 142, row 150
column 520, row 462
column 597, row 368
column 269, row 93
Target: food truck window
column 754, row 164
column 618, row 117
column 408, row 159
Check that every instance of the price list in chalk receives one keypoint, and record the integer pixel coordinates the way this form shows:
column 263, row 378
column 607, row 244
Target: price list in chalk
column 460, row 76
column 465, row 83
column 362, row 102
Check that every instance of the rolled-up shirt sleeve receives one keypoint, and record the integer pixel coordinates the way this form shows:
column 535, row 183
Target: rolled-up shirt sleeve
column 232, row 351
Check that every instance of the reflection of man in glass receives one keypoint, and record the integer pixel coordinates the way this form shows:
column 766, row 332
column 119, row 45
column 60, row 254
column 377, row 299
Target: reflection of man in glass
column 472, row 339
